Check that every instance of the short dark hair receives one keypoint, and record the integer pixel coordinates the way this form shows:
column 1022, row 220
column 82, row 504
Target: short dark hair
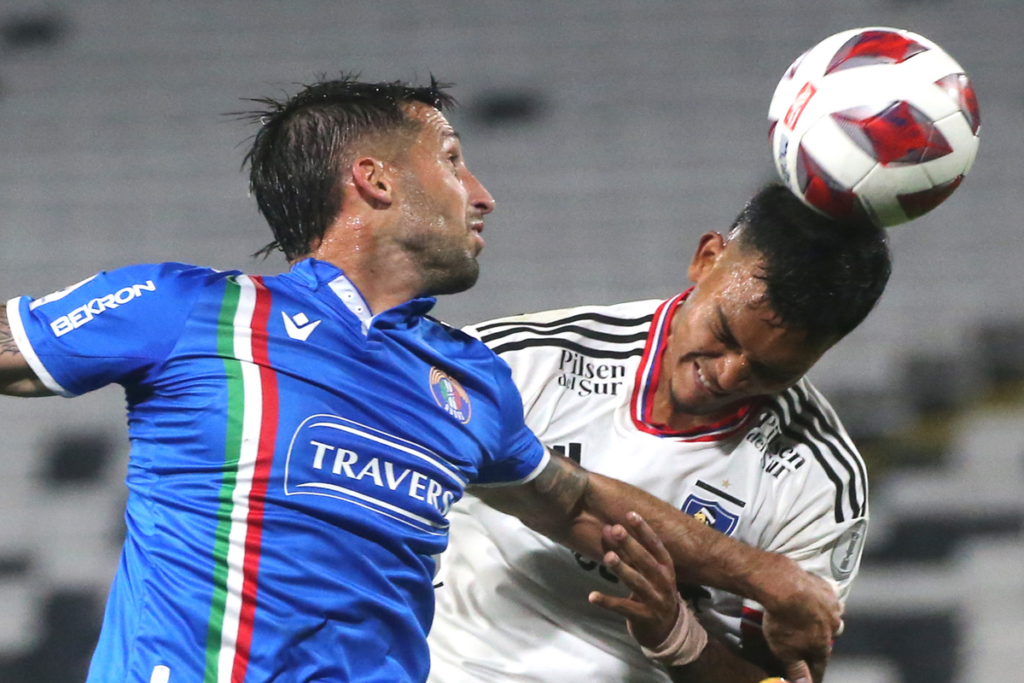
column 821, row 276
column 304, row 141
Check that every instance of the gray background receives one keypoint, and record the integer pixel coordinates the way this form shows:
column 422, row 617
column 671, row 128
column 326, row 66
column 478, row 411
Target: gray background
column 641, row 125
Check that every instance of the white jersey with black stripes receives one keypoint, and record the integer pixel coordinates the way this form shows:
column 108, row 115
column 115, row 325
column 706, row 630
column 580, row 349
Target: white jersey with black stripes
column 781, row 475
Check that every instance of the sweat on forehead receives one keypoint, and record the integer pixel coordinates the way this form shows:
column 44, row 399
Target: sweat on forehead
column 426, row 118
column 742, row 280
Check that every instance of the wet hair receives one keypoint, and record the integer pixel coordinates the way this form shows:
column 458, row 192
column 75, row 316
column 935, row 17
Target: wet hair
column 304, row 141
column 821, row 276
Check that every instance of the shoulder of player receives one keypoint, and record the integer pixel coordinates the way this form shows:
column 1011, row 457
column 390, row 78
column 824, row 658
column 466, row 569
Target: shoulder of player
column 182, row 275
column 456, row 343
column 452, row 333
column 617, row 330
column 810, row 434
column 116, row 287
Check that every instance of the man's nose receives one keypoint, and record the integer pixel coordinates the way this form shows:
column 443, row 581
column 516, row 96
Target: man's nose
column 734, row 372
column 479, row 197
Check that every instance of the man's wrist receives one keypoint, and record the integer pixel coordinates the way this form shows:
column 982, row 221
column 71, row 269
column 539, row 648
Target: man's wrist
column 778, row 584
column 684, row 643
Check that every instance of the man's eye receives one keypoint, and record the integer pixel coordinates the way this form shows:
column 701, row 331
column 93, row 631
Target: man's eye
column 724, row 338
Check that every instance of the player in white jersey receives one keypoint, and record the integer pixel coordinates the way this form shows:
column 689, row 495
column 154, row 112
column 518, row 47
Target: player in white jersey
column 700, row 400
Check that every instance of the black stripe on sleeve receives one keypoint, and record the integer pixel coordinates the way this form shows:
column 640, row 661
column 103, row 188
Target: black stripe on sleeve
column 596, row 317
column 582, row 331
column 843, row 450
column 566, row 344
column 787, row 429
column 808, row 426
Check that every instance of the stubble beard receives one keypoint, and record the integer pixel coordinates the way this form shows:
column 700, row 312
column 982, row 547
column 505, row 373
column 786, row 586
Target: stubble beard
column 446, row 265
column 689, row 408
column 458, row 277
column 698, row 407
column 442, row 253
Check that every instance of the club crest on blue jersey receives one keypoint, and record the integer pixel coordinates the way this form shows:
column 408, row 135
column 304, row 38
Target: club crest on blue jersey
column 711, row 514
column 450, row 395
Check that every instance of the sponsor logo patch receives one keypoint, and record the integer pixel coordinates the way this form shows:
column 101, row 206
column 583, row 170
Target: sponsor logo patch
column 579, row 374
column 333, row 457
column 711, row 514
column 776, row 458
column 83, row 314
column 450, row 395
column 846, row 550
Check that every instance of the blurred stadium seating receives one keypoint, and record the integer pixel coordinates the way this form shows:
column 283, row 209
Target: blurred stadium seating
column 613, row 133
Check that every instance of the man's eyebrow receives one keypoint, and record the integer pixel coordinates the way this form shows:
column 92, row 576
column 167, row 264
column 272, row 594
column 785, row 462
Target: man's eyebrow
column 765, row 371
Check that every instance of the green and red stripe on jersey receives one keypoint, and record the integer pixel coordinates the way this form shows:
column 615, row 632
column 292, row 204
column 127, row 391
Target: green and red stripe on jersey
column 252, row 419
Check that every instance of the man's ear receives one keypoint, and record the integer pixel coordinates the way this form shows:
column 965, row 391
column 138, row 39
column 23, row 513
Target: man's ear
column 709, row 250
column 373, row 181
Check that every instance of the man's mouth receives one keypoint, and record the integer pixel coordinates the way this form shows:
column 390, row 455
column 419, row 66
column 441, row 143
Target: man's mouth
column 706, row 384
column 476, row 228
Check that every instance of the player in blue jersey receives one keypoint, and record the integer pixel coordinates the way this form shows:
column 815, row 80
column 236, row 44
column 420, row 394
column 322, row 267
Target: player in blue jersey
column 297, row 440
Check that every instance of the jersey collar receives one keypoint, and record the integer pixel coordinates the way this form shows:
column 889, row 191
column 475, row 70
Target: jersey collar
column 316, row 273
column 642, row 403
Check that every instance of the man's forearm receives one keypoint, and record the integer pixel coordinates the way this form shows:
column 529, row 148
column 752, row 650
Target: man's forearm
column 16, row 377
column 701, row 555
column 572, row 506
column 804, row 611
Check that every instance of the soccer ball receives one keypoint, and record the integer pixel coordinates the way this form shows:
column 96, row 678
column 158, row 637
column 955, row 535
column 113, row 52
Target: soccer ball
column 874, row 122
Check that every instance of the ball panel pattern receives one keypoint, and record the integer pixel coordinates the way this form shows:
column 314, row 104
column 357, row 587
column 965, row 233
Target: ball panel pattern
column 960, row 91
column 899, row 134
column 874, row 122
column 879, row 189
column 823, row 192
column 918, row 204
column 874, row 47
column 837, row 153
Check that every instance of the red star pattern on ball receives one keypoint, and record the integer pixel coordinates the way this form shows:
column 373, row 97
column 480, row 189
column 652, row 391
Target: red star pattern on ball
column 898, row 134
column 824, row 192
column 874, row 47
column 919, row 203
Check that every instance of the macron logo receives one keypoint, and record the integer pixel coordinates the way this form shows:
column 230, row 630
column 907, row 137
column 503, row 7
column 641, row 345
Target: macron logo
column 299, row 327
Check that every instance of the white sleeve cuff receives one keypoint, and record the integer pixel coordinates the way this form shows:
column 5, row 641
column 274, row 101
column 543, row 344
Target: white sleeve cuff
column 25, row 347
column 534, row 473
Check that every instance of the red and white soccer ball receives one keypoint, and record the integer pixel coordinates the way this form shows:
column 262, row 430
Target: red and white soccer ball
column 875, row 122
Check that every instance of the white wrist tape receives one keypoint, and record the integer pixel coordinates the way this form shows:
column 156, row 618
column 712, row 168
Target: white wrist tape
column 683, row 644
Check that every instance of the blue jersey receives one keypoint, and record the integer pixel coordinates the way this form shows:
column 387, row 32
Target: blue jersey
column 293, row 460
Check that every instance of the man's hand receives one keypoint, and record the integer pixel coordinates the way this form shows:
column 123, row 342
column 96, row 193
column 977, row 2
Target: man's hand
column 640, row 560
column 660, row 620
column 798, row 672
column 803, row 619
column 572, row 506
